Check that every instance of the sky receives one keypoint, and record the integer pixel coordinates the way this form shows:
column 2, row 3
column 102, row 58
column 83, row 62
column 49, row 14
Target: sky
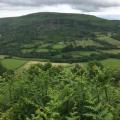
column 109, row 9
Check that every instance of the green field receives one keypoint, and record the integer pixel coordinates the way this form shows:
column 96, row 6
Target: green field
column 112, row 63
column 112, row 51
column 109, row 40
column 58, row 46
column 13, row 63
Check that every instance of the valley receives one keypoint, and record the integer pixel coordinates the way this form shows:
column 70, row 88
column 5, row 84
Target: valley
column 56, row 66
column 59, row 37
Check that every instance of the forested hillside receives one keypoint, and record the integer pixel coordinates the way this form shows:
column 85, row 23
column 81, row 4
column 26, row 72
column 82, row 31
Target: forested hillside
column 46, row 92
column 60, row 37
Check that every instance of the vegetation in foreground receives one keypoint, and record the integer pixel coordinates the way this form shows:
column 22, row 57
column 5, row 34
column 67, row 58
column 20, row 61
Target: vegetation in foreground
column 46, row 92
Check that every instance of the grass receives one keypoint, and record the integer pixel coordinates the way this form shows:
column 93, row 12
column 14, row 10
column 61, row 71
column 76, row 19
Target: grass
column 58, row 46
column 42, row 50
column 27, row 50
column 89, row 42
column 111, row 51
column 13, row 63
column 110, row 40
column 81, row 53
column 3, row 56
column 111, row 63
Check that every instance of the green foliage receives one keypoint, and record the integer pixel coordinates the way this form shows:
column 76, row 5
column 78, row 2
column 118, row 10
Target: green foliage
column 2, row 69
column 78, row 70
column 46, row 92
column 46, row 66
column 24, row 108
column 93, row 68
column 74, row 115
column 98, row 112
column 116, row 76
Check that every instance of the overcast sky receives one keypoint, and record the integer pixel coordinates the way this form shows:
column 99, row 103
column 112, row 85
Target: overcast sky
column 103, row 8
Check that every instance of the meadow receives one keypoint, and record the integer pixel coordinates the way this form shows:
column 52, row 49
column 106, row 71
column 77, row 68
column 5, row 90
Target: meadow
column 16, row 63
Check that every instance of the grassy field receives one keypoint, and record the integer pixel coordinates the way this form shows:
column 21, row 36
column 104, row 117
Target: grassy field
column 81, row 53
column 13, row 63
column 109, row 63
column 112, row 63
column 113, row 51
column 109, row 40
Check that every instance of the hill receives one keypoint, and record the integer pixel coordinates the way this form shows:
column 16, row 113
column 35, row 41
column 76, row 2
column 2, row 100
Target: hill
column 60, row 37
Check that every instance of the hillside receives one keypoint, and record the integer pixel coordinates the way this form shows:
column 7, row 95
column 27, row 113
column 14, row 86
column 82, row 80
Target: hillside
column 60, row 37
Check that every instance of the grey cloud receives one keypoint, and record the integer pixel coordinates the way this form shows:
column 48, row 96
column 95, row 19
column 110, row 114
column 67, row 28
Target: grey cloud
column 85, row 5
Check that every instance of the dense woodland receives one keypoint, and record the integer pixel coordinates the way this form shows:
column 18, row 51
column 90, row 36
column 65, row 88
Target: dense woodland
column 46, row 92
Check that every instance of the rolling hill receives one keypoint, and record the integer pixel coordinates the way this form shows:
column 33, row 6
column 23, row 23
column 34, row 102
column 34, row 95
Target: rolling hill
column 60, row 37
